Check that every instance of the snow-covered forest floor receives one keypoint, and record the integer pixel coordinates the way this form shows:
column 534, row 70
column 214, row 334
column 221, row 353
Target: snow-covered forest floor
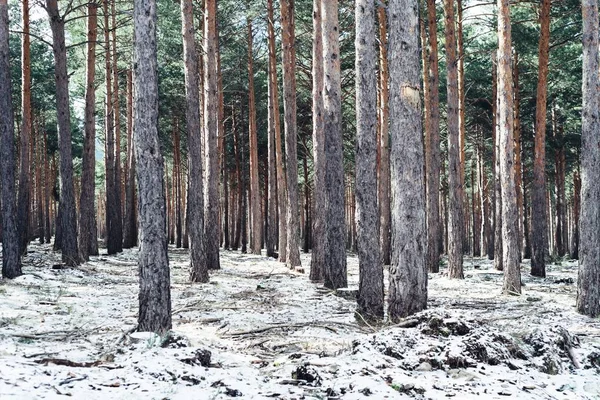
column 260, row 331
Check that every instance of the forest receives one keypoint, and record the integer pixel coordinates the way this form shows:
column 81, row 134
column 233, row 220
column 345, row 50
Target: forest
column 300, row 199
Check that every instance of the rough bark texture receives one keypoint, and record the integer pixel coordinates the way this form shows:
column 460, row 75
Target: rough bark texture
column 255, row 216
column 408, row 270
column 273, row 114
column 384, row 141
column 370, row 286
column 317, row 263
column 153, row 262
column 455, row 212
column 24, row 199
column 576, row 210
column 432, row 155
column 117, row 134
column 288, row 41
column 498, row 254
column 68, row 240
column 539, row 225
column 112, row 234
column 588, row 282
column 274, row 99
column 517, row 136
column 11, row 260
column 130, row 228
column 211, row 114
column 195, row 203
column 560, row 231
column 88, row 240
column 510, row 213
column 335, row 258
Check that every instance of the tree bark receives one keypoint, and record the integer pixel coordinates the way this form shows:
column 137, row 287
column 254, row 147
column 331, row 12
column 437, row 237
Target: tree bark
column 281, row 186
column 588, row 282
column 432, row 156
column 539, row 226
column 88, row 240
column 576, row 211
column 518, row 162
column 335, row 261
column 455, row 212
column 291, row 156
column 370, row 286
column 24, row 199
column 408, row 270
column 130, row 220
column 319, row 230
column 211, row 114
column 255, row 215
column 195, row 203
column 177, row 198
column 117, row 135
column 153, row 262
column 112, row 236
column 273, row 177
column 68, row 240
column 384, row 141
column 510, row 213
column 11, row 259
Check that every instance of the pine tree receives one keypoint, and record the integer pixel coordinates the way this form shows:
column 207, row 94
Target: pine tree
column 408, row 270
column 153, row 262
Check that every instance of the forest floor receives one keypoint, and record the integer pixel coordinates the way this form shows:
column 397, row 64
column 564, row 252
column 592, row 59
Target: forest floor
column 260, row 331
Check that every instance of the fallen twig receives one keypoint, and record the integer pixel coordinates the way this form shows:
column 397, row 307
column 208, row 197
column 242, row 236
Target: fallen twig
column 73, row 379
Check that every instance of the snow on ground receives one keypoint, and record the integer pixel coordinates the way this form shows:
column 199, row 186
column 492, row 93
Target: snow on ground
column 260, row 331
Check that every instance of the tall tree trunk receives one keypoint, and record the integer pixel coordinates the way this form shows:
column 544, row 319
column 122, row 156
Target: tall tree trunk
column 561, row 206
column 510, row 214
column 319, row 230
column 117, row 134
column 112, row 225
column 432, row 155
column 335, row 261
column 384, row 141
column 49, row 184
column 576, row 210
column 153, row 262
column 518, row 162
column 307, row 221
column 476, row 202
column 461, row 120
column 211, row 114
column 255, row 217
column 497, row 189
column 370, row 286
column 24, row 199
column 238, row 175
column 274, row 99
column 130, row 220
column 408, row 271
column 288, row 40
column 455, row 212
column 178, row 183
column 539, row 227
column 88, row 240
column 273, row 113
column 195, row 203
column 588, row 282
column 68, row 242
column 11, row 259
column 39, row 183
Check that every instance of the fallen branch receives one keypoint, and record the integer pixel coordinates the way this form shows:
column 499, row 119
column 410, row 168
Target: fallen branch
column 67, row 363
column 73, row 379
column 316, row 324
